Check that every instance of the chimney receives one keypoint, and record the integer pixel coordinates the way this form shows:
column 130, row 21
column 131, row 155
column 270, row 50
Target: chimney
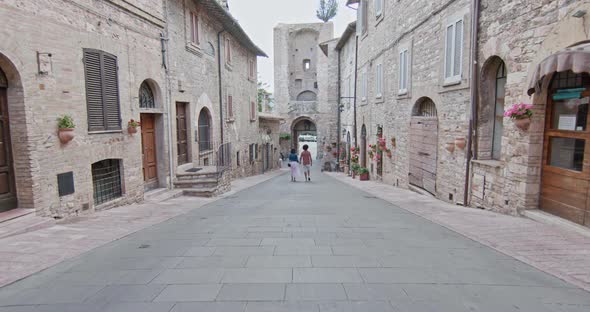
column 224, row 4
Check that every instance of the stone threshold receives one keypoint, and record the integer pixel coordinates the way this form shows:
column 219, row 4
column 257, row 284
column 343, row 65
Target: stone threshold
column 556, row 250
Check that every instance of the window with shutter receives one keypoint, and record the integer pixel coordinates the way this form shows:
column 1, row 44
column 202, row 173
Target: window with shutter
column 230, row 107
column 252, row 110
column 403, row 71
column 454, row 52
column 379, row 82
column 194, row 28
column 102, row 90
column 378, row 8
column 227, row 49
column 365, row 14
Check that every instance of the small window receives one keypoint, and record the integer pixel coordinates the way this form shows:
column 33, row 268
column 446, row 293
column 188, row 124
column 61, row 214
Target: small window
column 146, row 96
column 238, row 158
column 298, row 83
column 378, row 8
column 364, row 85
column 362, row 17
column 403, row 72
column 253, row 110
column 194, row 28
column 306, row 65
column 379, row 81
column 230, row 106
column 251, row 69
column 228, row 52
column 65, row 183
column 106, row 179
column 454, row 52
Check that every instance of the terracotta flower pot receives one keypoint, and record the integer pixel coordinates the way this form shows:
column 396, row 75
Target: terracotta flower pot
column 450, row 147
column 460, row 143
column 132, row 130
column 364, row 176
column 65, row 135
column 523, row 123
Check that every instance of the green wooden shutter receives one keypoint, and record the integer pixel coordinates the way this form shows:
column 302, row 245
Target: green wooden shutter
column 92, row 68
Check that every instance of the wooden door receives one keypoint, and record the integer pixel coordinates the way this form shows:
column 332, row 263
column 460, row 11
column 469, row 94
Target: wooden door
column 7, row 186
column 565, row 182
column 181, row 133
column 423, row 152
column 148, row 145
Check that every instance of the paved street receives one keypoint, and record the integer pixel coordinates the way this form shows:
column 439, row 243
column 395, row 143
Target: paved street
column 281, row 246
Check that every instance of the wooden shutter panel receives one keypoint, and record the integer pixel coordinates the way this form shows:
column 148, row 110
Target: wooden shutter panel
column 92, row 68
column 111, row 92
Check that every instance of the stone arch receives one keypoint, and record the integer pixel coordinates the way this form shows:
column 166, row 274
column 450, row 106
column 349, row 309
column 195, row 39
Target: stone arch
column 18, row 155
column 302, row 126
column 490, row 110
column 149, row 87
column 307, row 96
column 423, row 151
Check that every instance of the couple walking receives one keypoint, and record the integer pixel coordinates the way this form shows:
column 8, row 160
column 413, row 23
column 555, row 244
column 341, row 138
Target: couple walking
column 305, row 161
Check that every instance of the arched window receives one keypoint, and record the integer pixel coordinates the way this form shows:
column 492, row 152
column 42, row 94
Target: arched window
column 499, row 111
column 204, row 130
column 490, row 119
column 3, row 80
column 146, row 96
column 307, row 96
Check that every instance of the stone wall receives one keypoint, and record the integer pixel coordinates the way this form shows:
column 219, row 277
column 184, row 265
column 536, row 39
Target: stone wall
column 52, row 83
column 420, row 27
column 521, row 34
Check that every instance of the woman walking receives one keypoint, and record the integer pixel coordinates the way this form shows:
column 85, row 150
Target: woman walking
column 294, row 164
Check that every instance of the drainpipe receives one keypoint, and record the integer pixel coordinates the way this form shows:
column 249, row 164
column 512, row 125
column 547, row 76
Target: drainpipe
column 168, row 109
column 221, row 124
column 339, row 111
column 474, row 81
column 356, row 58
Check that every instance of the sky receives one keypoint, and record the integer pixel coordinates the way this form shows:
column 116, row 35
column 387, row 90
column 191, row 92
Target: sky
column 259, row 17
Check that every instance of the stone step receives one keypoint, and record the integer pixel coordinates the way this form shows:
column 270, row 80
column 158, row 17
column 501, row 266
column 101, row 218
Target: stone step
column 196, row 183
column 162, row 196
column 153, row 193
column 197, row 175
column 200, row 192
column 23, row 224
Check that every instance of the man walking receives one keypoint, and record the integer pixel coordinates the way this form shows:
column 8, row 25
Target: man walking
column 306, row 162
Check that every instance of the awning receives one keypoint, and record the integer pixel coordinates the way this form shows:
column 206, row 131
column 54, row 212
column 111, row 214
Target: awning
column 575, row 58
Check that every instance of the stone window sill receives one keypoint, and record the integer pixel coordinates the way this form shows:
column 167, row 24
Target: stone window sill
column 488, row 163
column 230, row 120
column 106, row 132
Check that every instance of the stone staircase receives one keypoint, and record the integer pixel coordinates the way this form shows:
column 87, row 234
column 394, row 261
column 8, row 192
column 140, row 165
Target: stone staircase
column 161, row 194
column 200, row 184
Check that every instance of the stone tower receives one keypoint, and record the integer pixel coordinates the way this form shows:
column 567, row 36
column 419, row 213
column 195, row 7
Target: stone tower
column 303, row 95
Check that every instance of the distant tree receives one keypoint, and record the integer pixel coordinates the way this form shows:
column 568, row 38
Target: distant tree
column 263, row 95
column 327, row 10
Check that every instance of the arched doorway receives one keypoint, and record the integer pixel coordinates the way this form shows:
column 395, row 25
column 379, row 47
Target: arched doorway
column 8, row 198
column 363, row 147
column 305, row 132
column 423, row 145
column 205, row 143
column 147, row 100
column 565, row 183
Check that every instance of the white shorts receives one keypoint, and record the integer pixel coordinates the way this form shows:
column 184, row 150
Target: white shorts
column 306, row 168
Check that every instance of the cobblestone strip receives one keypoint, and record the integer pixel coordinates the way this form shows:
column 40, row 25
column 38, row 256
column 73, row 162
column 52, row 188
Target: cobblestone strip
column 554, row 250
column 26, row 254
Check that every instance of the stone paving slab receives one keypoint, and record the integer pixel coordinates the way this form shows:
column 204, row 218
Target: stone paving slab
column 558, row 251
column 25, row 254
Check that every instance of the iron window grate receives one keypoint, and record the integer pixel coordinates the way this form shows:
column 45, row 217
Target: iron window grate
column 106, row 178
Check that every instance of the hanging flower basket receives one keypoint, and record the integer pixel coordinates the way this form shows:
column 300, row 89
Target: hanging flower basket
column 521, row 115
column 460, row 143
column 65, row 125
column 132, row 126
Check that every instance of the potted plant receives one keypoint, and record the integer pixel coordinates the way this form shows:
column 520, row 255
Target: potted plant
column 521, row 115
column 65, row 125
column 354, row 168
column 460, row 142
column 132, row 126
column 363, row 174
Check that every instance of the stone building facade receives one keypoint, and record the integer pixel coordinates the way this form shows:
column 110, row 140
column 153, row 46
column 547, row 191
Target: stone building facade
column 414, row 88
column 105, row 63
column 419, row 115
column 305, row 94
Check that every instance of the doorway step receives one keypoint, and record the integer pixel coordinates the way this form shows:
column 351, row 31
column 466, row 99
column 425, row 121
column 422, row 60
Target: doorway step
column 199, row 183
column 161, row 194
column 546, row 218
column 20, row 221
